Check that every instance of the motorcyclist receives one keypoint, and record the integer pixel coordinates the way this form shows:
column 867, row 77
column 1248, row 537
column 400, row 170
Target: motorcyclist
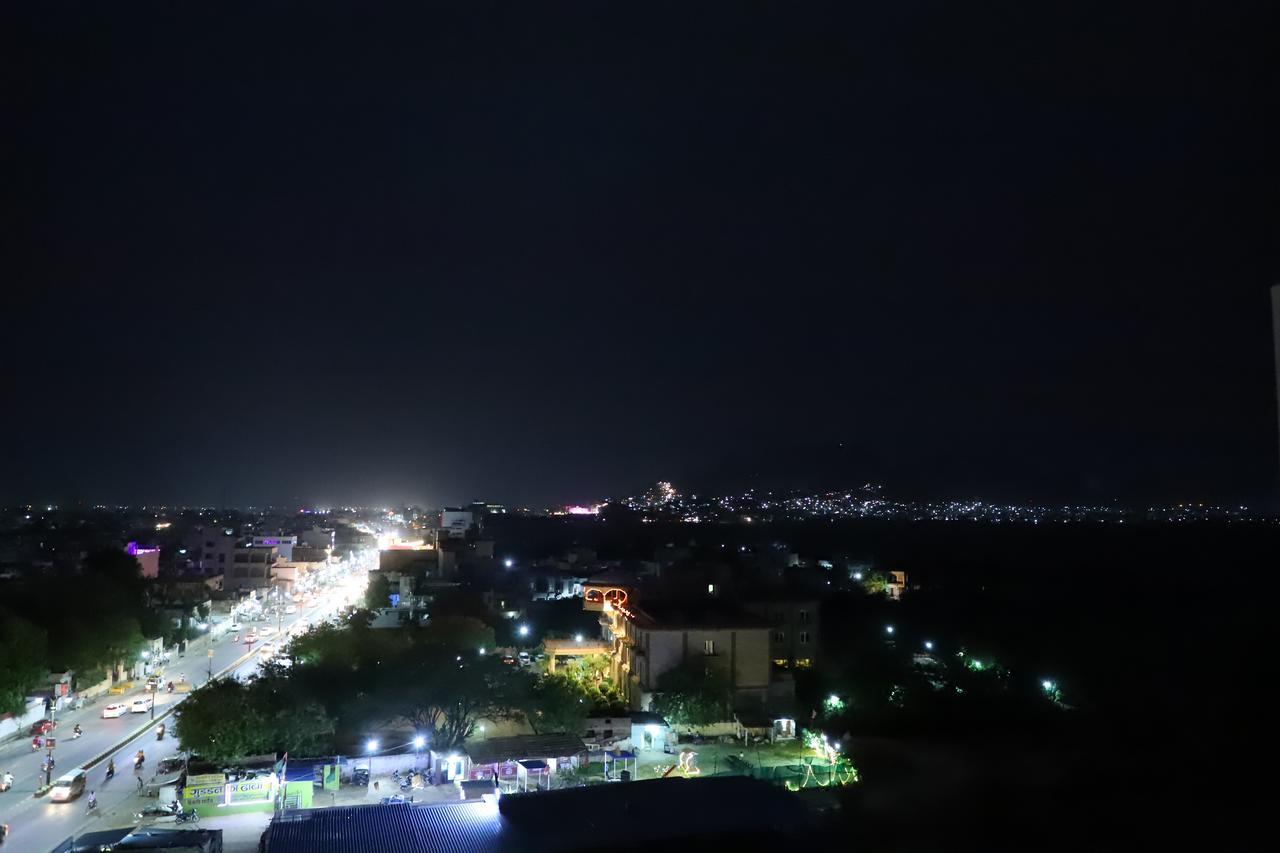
column 169, row 687
column 76, row 731
column 7, row 780
column 175, row 807
column 93, row 801
column 111, row 767
column 138, row 758
column 37, row 742
column 160, row 732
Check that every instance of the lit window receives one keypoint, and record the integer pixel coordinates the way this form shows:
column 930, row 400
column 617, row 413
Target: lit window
column 708, row 647
column 711, row 589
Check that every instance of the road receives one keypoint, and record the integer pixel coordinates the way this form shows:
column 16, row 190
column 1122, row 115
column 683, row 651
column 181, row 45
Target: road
column 36, row 824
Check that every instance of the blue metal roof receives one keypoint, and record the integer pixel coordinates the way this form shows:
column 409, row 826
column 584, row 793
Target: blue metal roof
column 653, row 812
column 396, row 828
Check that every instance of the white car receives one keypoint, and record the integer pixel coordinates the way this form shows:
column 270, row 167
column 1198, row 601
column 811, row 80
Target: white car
column 290, row 610
column 267, row 650
column 115, row 709
column 266, row 631
column 142, row 705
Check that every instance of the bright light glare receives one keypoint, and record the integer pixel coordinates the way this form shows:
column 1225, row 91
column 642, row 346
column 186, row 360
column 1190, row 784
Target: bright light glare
column 1047, row 684
column 888, row 629
column 928, row 644
column 577, row 638
column 371, row 744
column 508, row 562
column 524, row 630
column 419, row 741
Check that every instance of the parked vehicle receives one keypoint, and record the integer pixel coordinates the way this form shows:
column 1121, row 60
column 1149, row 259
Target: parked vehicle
column 69, row 786
column 115, row 709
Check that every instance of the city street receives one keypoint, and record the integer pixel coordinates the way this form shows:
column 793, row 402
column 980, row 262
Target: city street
column 36, row 824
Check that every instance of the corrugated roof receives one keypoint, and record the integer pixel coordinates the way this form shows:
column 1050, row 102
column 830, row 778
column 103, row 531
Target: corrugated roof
column 648, row 813
column 520, row 747
column 474, row 825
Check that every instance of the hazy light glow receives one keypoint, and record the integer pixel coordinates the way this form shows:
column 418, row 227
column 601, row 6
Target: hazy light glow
column 371, row 744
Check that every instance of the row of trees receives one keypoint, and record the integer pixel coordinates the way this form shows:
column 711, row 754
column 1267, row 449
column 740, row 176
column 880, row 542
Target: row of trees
column 84, row 622
column 345, row 683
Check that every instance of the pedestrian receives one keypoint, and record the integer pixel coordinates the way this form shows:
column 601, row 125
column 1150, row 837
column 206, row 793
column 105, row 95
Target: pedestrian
column 139, row 781
column 375, row 784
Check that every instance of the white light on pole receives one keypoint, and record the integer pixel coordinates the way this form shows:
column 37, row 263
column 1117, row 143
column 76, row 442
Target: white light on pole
column 371, row 745
column 888, row 629
column 419, row 742
column 524, row 630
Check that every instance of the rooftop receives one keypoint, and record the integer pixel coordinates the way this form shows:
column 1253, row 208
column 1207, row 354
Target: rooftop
column 517, row 747
column 706, row 616
column 714, row 811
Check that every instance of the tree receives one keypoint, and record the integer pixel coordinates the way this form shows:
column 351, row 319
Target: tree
column 218, row 722
column 693, row 695
column 556, row 704
column 24, row 663
column 227, row 720
column 378, row 593
column 458, row 632
column 444, row 699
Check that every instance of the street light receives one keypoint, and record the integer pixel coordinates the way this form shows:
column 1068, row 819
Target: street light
column 577, row 638
column 928, row 644
column 371, row 745
column 419, row 742
column 524, row 630
column 888, row 629
column 508, row 562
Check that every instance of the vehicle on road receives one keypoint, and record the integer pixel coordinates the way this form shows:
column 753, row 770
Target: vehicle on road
column 142, row 704
column 42, row 727
column 290, row 610
column 69, row 786
column 115, row 709
column 251, row 637
column 266, row 631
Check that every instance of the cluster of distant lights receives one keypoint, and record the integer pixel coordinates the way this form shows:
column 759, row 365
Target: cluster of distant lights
column 867, row 502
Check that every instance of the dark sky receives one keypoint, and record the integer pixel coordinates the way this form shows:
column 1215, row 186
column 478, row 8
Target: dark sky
column 544, row 252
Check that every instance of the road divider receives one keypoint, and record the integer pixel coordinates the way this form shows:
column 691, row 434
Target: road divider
column 121, row 744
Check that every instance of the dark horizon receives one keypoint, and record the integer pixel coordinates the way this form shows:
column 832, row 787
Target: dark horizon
column 337, row 256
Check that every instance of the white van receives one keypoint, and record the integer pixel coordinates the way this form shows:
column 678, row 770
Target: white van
column 69, row 786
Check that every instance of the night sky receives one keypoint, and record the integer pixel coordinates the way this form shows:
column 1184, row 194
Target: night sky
column 548, row 252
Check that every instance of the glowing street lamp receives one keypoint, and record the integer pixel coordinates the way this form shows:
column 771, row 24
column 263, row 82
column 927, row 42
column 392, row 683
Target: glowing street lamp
column 371, row 745
column 419, row 742
column 888, row 629
column 524, row 630
column 577, row 638
column 508, row 562
column 928, row 644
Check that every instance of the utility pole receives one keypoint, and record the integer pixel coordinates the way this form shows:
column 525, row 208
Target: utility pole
column 210, row 656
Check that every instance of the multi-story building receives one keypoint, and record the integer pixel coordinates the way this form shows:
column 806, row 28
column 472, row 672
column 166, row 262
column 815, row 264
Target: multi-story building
column 793, row 629
column 250, row 567
column 648, row 642
column 285, row 544
column 211, row 550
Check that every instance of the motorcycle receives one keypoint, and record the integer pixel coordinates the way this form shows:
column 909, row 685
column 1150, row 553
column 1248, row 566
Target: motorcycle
column 6, row 783
column 111, row 771
column 36, row 743
column 160, row 732
column 76, row 732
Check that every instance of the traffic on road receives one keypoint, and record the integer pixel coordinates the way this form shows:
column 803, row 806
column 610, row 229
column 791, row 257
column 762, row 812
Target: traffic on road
column 128, row 732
